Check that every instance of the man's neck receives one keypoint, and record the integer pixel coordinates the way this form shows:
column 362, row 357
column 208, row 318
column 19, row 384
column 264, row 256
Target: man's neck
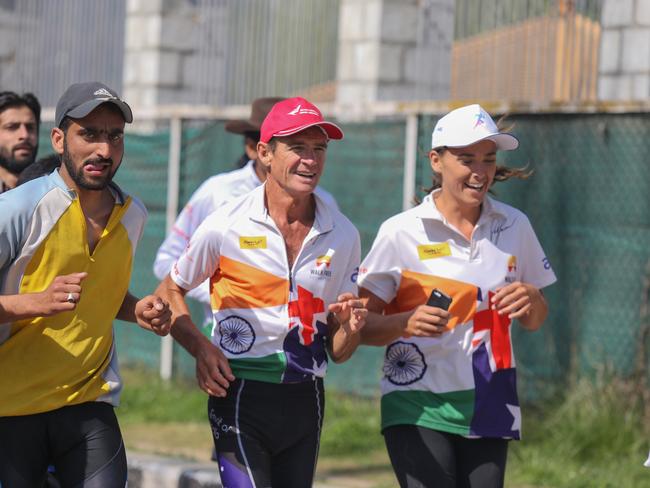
column 94, row 203
column 8, row 178
column 259, row 170
column 285, row 208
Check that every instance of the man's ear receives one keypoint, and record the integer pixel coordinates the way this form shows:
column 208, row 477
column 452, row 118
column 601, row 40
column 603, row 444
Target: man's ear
column 264, row 154
column 57, row 137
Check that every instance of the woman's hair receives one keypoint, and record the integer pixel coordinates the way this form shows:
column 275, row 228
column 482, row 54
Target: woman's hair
column 503, row 173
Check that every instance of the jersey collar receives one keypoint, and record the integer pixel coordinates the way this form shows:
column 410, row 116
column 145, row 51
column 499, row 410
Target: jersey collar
column 259, row 213
column 115, row 190
column 428, row 210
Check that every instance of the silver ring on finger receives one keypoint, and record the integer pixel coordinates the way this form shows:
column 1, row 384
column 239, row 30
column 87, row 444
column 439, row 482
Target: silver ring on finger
column 70, row 298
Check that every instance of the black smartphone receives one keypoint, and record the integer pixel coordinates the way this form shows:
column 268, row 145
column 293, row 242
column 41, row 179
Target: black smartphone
column 439, row 299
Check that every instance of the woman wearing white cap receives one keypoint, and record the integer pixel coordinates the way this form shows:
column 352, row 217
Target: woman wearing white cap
column 449, row 401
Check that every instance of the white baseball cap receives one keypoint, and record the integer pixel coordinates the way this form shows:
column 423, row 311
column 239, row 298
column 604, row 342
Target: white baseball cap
column 467, row 125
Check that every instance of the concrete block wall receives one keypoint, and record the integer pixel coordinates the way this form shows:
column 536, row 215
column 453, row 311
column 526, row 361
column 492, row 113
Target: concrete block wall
column 163, row 49
column 358, row 54
column 394, row 50
column 624, row 63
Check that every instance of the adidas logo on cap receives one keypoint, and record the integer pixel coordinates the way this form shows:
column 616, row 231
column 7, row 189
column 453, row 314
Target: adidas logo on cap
column 103, row 92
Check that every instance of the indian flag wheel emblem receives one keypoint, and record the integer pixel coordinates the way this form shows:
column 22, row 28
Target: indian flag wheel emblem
column 404, row 363
column 237, row 334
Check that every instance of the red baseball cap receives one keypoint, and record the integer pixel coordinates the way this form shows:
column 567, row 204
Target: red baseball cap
column 293, row 115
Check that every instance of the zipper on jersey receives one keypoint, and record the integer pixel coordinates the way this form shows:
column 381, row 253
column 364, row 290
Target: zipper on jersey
column 292, row 268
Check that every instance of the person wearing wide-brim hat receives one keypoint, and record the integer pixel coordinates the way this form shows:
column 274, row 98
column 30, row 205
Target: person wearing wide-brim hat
column 259, row 109
column 215, row 192
column 250, row 129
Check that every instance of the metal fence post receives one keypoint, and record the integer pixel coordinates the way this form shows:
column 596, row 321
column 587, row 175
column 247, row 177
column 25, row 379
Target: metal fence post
column 410, row 161
column 173, row 177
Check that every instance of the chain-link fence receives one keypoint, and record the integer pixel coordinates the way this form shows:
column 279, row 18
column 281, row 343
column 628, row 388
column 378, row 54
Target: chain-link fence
column 588, row 201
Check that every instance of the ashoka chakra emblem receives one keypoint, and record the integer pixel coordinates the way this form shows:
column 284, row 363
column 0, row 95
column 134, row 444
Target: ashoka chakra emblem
column 237, row 334
column 404, row 363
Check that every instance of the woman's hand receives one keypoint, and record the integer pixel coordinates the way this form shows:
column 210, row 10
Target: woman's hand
column 521, row 301
column 426, row 321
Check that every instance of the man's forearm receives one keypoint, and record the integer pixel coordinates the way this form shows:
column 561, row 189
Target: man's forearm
column 183, row 329
column 187, row 334
column 342, row 343
column 381, row 329
column 19, row 307
column 127, row 309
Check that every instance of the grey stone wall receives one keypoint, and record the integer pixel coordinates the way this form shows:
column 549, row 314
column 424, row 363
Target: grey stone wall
column 624, row 64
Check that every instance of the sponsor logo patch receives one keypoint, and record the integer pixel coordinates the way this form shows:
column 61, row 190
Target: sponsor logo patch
column 323, row 264
column 321, row 273
column 432, row 251
column 512, row 264
column 252, row 242
column 512, row 269
column 323, row 261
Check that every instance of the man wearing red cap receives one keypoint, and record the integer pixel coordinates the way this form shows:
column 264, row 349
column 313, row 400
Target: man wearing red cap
column 215, row 192
column 282, row 266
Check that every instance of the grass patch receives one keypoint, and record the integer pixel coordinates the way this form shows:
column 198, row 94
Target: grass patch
column 351, row 427
column 596, row 435
column 147, row 398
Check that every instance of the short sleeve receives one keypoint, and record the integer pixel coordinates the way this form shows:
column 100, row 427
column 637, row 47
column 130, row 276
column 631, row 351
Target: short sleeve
column 194, row 212
column 200, row 259
column 380, row 272
column 349, row 283
column 535, row 266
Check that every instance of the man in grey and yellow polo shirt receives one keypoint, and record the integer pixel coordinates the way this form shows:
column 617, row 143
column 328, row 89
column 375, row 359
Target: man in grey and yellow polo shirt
column 67, row 243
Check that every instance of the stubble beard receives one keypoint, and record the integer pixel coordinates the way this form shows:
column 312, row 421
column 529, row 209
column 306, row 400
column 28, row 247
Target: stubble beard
column 77, row 174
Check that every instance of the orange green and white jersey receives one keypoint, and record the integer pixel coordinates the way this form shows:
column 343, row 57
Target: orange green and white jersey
column 463, row 382
column 68, row 358
column 269, row 319
column 212, row 194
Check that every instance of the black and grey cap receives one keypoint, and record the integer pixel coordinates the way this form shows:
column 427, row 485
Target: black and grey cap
column 82, row 98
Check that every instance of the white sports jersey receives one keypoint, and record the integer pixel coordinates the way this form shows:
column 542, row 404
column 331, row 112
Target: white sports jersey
column 463, row 381
column 212, row 194
column 269, row 320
